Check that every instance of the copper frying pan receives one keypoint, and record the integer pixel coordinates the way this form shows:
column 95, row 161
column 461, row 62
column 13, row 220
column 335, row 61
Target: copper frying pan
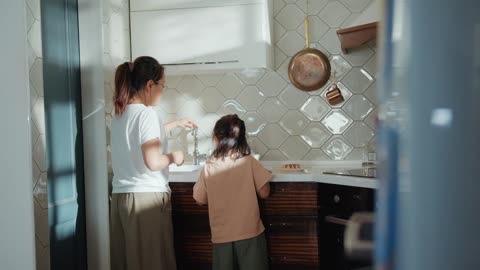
column 309, row 69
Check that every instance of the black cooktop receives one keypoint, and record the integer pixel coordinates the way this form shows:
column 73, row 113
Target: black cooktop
column 368, row 172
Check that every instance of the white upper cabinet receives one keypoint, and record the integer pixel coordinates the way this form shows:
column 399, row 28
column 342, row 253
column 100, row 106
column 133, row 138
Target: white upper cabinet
column 194, row 36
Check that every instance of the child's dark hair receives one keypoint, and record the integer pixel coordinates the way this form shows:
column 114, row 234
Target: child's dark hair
column 229, row 132
column 130, row 78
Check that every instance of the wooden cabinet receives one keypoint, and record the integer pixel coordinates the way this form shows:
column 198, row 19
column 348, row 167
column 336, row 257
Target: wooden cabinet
column 290, row 216
column 294, row 217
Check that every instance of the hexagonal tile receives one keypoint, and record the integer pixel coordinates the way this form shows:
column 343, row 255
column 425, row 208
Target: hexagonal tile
column 293, row 122
column 291, row 43
column 314, row 7
column 257, row 146
column 43, row 255
column 108, row 95
column 279, row 56
column 340, row 66
column 41, row 223
column 171, row 101
column 175, row 145
column 319, row 47
column 282, row 70
column 34, row 6
column 187, row 140
column 254, row 123
column 317, row 28
column 33, row 96
column 38, row 115
column 172, row 81
column 372, row 94
column 331, row 42
column 358, row 107
column 290, row 17
column 372, row 119
column 209, row 79
column 278, row 31
column 359, row 134
column 29, row 19
column 316, row 155
column 315, row 108
column 356, row 154
column 39, row 153
column 207, row 123
column 356, row 5
column 334, row 14
column 40, row 191
column 345, row 93
column 359, row 56
column 211, row 99
column 30, row 55
column 190, row 87
column 271, row 84
column 34, row 134
column 337, row 148
column 372, row 66
column 35, row 38
column 277, row 6
column 35, row 173
column 315, row 135
column 251, row 76
column 251, row 97
column 272, row 110
column 358, row 80
column 192, row 110
column 36, row 76
column 231, row 107
column 292, row 97
column 351, row 20
column 337, row 121
column 273, row 136
column 230, row 85
column 274, row 155
column 294, row 148
column 303, row 5
column 108, row 69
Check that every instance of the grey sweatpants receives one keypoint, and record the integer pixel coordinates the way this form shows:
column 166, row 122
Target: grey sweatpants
column 141, row 234
column 248, row 254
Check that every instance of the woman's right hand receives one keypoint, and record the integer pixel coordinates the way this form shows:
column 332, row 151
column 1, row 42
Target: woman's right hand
column 178, row 158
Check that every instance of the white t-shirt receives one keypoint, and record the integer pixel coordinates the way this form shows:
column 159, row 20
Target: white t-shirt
column 137, row 125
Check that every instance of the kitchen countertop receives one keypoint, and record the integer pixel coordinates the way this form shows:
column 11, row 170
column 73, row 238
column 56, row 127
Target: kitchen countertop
column 315, row 175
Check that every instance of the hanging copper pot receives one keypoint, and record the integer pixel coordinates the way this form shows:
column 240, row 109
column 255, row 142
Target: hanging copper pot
column 334, row 95
column 309, row 69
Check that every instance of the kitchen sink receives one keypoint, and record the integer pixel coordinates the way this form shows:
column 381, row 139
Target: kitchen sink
column 185, row 168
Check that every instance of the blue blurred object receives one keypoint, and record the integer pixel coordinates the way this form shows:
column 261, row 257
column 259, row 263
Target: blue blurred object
column 429, row 136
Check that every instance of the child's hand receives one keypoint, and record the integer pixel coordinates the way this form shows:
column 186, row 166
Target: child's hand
column 178, row 158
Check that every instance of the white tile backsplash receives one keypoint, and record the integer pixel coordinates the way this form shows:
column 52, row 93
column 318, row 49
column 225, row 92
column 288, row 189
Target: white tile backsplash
column 39, row 174
column 334, row 14
column 283, row 123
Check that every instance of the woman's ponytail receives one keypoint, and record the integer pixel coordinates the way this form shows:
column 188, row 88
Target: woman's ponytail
column 130, row 78
column 123, row 87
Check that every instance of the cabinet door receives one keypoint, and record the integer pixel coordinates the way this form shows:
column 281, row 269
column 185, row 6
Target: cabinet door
column 183, row 202
column 292, row 242
column 193, row 246
column 296, row 199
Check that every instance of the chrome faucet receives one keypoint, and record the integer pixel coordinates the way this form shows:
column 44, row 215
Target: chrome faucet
column 197, row 157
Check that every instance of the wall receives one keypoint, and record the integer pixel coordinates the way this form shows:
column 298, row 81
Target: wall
column 283, row 123
column 16, row 202
column 39, row 170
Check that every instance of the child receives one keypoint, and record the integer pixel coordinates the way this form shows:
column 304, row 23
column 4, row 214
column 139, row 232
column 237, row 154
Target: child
column 229, row 184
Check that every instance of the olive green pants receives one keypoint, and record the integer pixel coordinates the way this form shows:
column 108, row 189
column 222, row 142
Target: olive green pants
column 248, row 254
column 141, row 234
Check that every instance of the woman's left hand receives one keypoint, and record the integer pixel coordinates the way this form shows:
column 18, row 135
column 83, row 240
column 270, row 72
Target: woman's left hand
column 186, row 123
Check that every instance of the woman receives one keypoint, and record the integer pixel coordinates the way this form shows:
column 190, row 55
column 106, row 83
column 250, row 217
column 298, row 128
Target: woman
column 141, row 221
